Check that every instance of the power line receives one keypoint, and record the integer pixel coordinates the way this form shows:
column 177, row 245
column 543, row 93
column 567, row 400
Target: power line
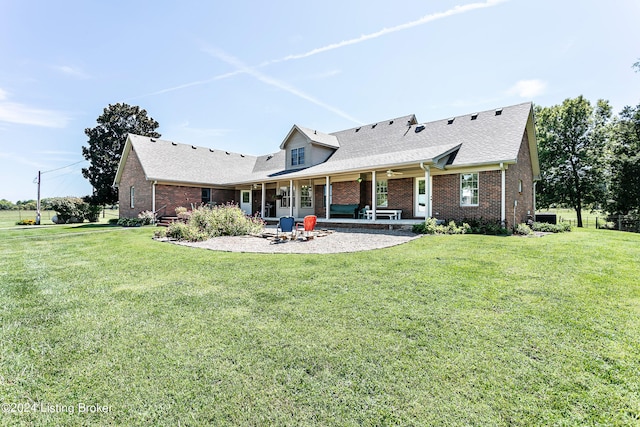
column 57, row 169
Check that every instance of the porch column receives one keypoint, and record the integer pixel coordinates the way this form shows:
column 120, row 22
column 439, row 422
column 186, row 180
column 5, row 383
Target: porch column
column 290, row 197
column 427, row 192
column 263, row 202
column 503, row 206
column 374, row 201
column 327, row 197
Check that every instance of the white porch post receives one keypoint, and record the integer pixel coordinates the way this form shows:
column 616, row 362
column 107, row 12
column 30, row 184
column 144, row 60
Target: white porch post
column 327, row 196
column 427, row 192
column 503, row 206
column 263, row 202
column 290, row 197
column 153, row 199
column 374, row 198
column 533, row 214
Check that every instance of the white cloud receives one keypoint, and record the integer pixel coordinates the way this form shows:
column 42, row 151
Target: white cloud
column 13, row 112
column 71, row 71
column 528, row 88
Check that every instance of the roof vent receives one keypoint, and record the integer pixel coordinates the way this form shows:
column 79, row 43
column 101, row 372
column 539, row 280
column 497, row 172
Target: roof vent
column 174, row 144
column 474, row 116
column 152, row 139
column 227, row 153
column 269, row 157
column 450, row 121
column 211, row 150
column 498, row 111
column 373, row 126
column 241, row 155
column 409, row 122
column 193, row 146
column 315, row 132
column 391, row 122
column 357, row 129
column 419, row 128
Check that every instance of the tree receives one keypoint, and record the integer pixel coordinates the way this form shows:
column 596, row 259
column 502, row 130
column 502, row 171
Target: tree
column 624, row 191
column 572, row 140
column 106, row 142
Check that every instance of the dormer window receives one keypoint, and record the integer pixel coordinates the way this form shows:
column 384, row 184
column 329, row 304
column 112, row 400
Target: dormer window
column 297, row 156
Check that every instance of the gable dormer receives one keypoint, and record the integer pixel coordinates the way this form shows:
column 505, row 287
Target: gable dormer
column 306, row 147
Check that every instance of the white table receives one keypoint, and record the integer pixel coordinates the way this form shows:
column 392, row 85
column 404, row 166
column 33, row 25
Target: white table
column 390, row 213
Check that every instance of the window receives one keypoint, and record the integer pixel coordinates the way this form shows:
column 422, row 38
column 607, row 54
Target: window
column 469, row 189
column 305, row 196
column 206, row 196
column 324, row 195
column 382, row 194
column 132, row 197
column 297, row 156
column 246, row 197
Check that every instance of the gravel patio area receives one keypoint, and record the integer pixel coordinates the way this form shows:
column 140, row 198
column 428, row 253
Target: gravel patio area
column 324, row 242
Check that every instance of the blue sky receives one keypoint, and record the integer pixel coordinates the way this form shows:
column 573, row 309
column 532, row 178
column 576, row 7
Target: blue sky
column 237, row 75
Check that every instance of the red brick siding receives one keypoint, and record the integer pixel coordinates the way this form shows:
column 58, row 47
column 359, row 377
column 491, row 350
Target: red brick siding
column 446, row 197
column 133, row 176
column 174, row 196
column 401, row 196
column 318, row 201
column 522, row 170
column 346, row 192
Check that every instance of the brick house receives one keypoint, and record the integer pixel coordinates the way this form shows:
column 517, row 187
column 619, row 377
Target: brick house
column 483, row 164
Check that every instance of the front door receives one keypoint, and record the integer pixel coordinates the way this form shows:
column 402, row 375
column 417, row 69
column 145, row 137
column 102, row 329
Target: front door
column 245, row 201
column 420, row 197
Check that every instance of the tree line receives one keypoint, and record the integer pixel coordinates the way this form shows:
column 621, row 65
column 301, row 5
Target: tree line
column 589, row 158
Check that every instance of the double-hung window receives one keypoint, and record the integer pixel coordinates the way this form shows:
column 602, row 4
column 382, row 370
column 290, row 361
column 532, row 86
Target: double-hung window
column 469, row 189
column 297, row 156
column 132, row 197
column 305, row 196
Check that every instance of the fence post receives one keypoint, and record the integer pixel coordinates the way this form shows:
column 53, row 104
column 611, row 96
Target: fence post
column 596, row 223
column 619, row 222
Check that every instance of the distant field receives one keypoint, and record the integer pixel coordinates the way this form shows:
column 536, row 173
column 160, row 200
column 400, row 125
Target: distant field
column 9, row 218
column 588, row 217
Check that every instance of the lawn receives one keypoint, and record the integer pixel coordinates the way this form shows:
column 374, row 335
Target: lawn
column 8, row 218
column 105, row 326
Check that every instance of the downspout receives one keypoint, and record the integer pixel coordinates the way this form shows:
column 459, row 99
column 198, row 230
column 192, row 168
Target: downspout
column 503, row 207
column 427, row 190
column 153, row 200
column 534, row 199
column 291, row 198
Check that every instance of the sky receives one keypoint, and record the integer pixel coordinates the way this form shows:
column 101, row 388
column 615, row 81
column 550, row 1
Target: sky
column 237, row 75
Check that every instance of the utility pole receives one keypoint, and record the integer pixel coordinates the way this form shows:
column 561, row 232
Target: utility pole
column 38, row 203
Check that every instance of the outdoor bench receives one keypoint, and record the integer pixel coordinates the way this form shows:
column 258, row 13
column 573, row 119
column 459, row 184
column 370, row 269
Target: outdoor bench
column 336, row 209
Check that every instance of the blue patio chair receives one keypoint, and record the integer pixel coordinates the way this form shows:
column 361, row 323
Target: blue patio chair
column 285, row 225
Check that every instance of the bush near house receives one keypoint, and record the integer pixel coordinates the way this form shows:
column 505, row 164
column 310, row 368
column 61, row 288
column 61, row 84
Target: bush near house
column 222, row 220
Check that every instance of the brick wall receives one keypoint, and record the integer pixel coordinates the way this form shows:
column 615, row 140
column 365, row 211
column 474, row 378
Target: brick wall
column 133, row 176
column 174, row 196
column 401, row 196
column 446, row 197
column 521, row 171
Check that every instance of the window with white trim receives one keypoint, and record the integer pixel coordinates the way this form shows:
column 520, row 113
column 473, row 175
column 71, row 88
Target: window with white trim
column 468, row 189
column 297, row 156
column 382, row 194
column 286, row 197
column 132, row 196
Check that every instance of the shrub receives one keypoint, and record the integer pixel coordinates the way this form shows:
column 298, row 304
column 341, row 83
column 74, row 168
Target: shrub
column 430, row 226
column 26, row 222
column 523, row 230
column 551, row 228
column 486, row 226
column 146, row 217
column 92, row 212
column 68, row 209
column 222, row 220
column 113, row 221
column 130, row 222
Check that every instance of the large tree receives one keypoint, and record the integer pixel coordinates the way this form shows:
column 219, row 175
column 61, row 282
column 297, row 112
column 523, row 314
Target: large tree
column 106, row 142
column 572, row 140
column 624, row 190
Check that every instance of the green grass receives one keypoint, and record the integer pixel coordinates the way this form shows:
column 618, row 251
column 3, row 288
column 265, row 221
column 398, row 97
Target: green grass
column 445, row 330
column 8, row 218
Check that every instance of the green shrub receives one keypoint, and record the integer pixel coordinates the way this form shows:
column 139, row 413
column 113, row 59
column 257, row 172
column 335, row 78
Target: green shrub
column 430, row 226
column 222, row 220
column 68, row 209
column 92, row 212
column 523, row 230
column 551, row 228
column 113, row 221
column 146, row 217
column 130, row 222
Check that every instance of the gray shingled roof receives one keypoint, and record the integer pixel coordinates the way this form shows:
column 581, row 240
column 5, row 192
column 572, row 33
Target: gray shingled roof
column 488, row 138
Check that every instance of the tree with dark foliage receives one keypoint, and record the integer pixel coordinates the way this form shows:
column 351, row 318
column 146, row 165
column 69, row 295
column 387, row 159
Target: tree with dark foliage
column 625, row 167
column 106, row 143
